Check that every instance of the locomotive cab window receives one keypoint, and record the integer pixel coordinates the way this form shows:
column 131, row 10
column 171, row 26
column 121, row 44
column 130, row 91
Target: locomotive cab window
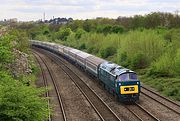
column 132, row 76
column 124, row 77
column 127, row 76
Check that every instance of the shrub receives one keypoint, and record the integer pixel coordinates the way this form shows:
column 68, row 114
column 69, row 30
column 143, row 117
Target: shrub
column 82, row 46
column 41, row 37
column 6, row 55
column 93, row 50
column 122, row 58
column 138, row 61
column 177, row 63
column 163, row 67
column 62, row 34
column 104, row 29
column 117, row 29
column 79, row 33
column 19, row 102
column 109, row 51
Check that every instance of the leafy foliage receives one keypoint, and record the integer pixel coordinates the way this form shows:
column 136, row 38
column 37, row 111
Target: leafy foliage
column 79, row 33
column 18, row 102
column 177, row 63
column 163, row 66
column 6, row 46
column 109, row 51
column 62, row 34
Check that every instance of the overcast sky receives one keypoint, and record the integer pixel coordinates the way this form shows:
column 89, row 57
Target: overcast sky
column 26, row 10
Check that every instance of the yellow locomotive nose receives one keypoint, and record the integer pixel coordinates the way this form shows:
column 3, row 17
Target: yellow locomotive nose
column 131, row 89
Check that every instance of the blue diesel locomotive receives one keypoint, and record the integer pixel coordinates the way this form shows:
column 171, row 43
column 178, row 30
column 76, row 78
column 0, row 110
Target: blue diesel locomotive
column 121, row 82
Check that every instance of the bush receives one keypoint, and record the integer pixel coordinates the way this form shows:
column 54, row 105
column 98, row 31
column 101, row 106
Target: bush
column 117, row 29
column 6, row 55
column 93, row 50
column 41, row 37
column 62, row 34
column 109, row 51
column 162, row 67
column 79, row 33
column 82, row 46
column 122, row 58
column 19, row 102
column 104, row 29
column 177, row 63
column 138, row 61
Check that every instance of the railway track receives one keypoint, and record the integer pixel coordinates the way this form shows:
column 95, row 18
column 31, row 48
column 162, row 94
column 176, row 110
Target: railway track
column 101, row 108
column 141, row 113
column 44, row 82
column 43, row 64
column 171, row 105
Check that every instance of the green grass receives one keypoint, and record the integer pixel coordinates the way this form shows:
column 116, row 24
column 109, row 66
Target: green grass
column 167, row 86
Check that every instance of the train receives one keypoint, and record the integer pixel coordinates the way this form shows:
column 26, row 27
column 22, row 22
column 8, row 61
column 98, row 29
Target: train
column 121, row 82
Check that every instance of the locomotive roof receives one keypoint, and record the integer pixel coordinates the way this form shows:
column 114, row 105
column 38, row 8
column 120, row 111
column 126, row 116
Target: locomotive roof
column 114, row 68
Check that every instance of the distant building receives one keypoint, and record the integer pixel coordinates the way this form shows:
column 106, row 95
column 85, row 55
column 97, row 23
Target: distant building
column 59, row 20
column 12, row 20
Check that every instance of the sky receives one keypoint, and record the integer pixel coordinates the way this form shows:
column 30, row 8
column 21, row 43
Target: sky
column 27, row 10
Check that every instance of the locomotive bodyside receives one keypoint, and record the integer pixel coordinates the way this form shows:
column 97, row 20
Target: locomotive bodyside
column 121, row 82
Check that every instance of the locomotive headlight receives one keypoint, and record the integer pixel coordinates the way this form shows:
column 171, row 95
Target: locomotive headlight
column 119, row 84
column 137, row 82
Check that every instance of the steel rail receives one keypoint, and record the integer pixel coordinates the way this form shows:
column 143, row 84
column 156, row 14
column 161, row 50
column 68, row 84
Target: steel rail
column 170, row 108
column 55, row 86
column 150, row 114
column 45, row 83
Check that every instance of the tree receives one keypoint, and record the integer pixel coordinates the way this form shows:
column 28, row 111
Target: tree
column 63, row 33
column 117, row 29
column 19, row 102
column 79, row 33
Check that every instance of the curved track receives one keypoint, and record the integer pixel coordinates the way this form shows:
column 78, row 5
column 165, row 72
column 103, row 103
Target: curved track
column 42, row 63
column 171, row 105
column 44, row 82
column 101, row 108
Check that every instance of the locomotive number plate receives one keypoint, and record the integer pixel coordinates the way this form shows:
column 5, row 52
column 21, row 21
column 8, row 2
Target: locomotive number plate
column 129, row 89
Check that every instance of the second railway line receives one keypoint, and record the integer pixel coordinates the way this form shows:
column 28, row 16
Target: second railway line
column 48, row 78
